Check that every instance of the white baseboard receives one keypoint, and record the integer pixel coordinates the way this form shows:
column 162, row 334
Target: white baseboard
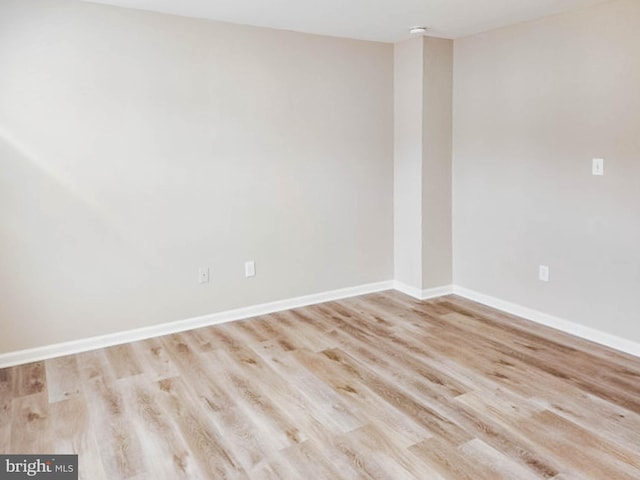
column 566, row 326
column 422, row 294
column 109, row 340
column 83, row 345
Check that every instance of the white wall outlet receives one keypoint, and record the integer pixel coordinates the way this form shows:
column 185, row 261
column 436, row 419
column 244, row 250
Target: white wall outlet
column 543, row 273
column 597, row 167
column 249, row 269
column 203, row 275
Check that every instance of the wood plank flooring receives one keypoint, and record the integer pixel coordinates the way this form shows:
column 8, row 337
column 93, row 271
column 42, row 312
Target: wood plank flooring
column 374, row 387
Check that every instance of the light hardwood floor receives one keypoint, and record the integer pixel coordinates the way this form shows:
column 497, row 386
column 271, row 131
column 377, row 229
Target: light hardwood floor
column 379, row 386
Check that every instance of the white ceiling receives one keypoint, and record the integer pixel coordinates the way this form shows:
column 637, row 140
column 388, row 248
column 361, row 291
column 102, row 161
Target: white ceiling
column 381, row 20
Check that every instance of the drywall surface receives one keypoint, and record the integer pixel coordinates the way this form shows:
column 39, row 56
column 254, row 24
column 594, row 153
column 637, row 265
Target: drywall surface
column 533, row 104
column 436, row 162
column 137, row 147
column 407, row 173
column 423, row 79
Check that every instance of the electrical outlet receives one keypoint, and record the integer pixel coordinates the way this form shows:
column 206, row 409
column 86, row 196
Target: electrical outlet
column 250, row 269
column 543, row 273
column 203, row 275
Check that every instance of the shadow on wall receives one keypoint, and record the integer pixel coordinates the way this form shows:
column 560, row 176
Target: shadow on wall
column 62, row 257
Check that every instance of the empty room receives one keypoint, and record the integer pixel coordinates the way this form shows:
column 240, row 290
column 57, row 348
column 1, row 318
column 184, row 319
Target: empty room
column 320, row 239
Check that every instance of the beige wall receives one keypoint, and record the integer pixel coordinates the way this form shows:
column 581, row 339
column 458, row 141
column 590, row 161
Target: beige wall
column 407, row 172
column 137, row 147
column 422, row 163
column 436, row 162
column 533, row 104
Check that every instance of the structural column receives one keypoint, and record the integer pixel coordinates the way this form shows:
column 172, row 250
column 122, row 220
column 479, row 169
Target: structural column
column 423, row 80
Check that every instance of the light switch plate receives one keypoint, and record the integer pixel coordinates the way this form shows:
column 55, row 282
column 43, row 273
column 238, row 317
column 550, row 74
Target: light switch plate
column 598, row 166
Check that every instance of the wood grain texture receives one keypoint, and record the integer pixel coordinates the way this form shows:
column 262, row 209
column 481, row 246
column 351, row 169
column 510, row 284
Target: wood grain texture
column 374, row 387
